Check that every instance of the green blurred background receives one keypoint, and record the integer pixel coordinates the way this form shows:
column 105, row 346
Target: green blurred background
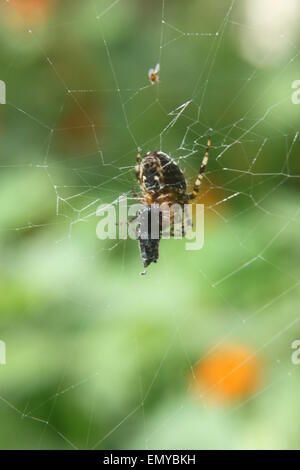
column 197, row 354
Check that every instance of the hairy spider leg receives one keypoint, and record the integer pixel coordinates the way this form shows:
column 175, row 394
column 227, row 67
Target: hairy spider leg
column 137, row 165
column 199, row 179
column 184, row 230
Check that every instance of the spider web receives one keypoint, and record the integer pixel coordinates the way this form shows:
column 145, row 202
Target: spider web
column 250, row 206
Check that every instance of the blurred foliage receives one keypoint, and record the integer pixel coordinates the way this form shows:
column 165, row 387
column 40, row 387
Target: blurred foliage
column 98, row 356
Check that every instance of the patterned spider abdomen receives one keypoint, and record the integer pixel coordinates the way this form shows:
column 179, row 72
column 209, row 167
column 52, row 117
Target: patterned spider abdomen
column 149, row 242
column 160, row 173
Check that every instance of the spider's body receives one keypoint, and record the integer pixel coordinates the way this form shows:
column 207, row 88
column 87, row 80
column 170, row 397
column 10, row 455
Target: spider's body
column 153, row 74
column 161, row 182
column 161, row 179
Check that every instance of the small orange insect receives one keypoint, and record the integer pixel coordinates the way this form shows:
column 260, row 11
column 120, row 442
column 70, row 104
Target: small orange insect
column 153, row 74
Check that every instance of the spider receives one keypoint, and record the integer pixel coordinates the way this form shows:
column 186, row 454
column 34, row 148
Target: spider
column 153, row 74
column 161, row 182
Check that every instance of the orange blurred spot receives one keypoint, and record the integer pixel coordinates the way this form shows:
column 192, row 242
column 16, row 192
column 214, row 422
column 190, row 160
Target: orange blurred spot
column 229, row 373
column 30, row 11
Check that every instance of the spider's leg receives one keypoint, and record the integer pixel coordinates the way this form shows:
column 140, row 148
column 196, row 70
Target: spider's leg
column 172, row 231
column 137, row 165
column 133, row 217
column 189, row 224
column 138, row 197
column 199, row 179
column 129, row 221
column 172, row 227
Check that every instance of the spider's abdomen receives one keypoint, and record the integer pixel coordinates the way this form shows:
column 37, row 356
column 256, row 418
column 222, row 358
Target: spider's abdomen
column 149, row 247
column 159, row 173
